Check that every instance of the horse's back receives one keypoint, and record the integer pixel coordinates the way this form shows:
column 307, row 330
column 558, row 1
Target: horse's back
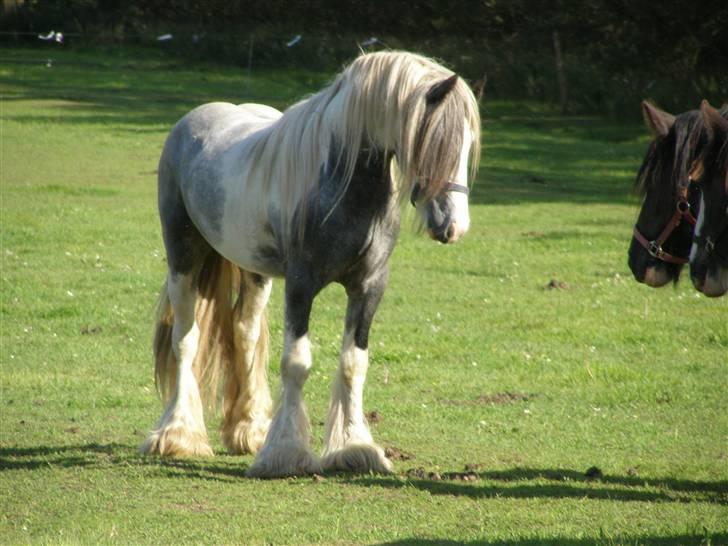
column 198, row 145
column 216, row 126
column 202, row 171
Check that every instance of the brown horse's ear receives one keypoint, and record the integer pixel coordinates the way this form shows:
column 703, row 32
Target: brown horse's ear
column 657, row 121
column 439, row 90
column 712, row 120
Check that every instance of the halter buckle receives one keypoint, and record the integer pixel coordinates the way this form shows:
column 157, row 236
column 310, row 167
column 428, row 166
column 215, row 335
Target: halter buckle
column 654, row 249
column 709, row 245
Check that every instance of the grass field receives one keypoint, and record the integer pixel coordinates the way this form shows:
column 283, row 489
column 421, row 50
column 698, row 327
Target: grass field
column 530, row 391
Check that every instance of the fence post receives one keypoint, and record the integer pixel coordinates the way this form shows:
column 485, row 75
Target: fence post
column 560, row 76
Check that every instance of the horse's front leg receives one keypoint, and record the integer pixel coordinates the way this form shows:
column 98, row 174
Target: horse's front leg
column 286, row 451
column 349, row 444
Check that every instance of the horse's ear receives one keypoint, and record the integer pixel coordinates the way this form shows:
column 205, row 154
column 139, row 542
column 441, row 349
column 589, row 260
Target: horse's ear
column 657, row 121
column 439, row 90
column 712, row 120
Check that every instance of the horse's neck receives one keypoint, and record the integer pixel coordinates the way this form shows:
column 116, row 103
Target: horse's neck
column 371, row 169
column 378, row 128
column 371, row 185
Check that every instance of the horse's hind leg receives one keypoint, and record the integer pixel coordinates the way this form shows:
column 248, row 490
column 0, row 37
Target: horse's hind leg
column 348, row 442
column 247, row 395
column 181, row 429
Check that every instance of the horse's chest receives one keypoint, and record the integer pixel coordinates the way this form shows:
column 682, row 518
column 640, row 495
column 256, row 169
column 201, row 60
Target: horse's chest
column 351, row 240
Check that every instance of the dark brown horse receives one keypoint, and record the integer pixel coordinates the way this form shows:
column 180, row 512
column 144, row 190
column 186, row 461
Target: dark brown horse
column 709, row 254
column 663, row 233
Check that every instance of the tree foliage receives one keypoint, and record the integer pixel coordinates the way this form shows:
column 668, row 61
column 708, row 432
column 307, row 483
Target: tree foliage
column 615, row 51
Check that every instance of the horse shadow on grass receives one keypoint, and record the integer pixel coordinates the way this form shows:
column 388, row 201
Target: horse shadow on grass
column 516, row 483
column 673, row 540
column 94, row 455
column 555, row 483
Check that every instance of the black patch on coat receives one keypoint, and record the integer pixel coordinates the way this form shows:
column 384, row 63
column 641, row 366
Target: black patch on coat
column 347, row 239
column 186, row 247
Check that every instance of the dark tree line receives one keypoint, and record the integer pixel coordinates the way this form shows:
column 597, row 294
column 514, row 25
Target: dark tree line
column 590, row 54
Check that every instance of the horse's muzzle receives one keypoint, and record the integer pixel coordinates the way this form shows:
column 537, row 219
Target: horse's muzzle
column 447, row 233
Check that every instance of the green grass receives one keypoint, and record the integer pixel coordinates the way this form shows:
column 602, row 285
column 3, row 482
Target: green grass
column 602, row 372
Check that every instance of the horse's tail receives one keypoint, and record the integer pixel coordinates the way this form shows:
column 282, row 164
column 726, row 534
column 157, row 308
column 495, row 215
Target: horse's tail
column 218, row 308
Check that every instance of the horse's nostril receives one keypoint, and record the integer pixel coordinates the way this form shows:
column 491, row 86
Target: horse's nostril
column 450, row 233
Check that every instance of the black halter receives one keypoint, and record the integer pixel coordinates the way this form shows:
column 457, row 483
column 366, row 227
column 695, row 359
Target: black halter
column 450, row 186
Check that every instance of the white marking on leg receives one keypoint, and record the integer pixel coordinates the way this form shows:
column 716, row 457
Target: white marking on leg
column 286, row 450
column 248, row 402
column 181, row 429
column 349, row 444
column 346, row 423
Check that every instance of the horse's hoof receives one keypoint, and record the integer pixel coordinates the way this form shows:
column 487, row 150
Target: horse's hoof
column 177, row 442
column 358, row 458
column 284, row 461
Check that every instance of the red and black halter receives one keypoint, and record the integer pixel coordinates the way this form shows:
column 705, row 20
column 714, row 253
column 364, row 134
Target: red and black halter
column 654, row 247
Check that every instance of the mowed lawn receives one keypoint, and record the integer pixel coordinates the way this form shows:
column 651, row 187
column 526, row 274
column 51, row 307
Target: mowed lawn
column 528, row 389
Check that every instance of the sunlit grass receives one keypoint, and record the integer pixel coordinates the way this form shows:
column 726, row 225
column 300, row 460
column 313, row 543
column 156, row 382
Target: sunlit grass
column 525, row 353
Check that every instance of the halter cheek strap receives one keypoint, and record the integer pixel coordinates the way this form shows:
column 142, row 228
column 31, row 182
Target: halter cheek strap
column 710, row 242
column 654, row 247
column 449, row 187
column 460, row 188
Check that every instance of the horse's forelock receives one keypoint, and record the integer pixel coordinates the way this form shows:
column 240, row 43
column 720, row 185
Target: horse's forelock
column 722, row 160
column 390, row 88
column 644, row 175
column 691, row 138
column 433, row 136
column 672, row 156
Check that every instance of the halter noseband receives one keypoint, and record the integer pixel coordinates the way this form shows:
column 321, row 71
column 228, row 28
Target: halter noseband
column 448, row 187
column 654, row 247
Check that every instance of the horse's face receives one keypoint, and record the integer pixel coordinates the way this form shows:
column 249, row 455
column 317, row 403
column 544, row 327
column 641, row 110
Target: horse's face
column 664, row 228
column 446, row 215
column 658, row 264
column 709, row 254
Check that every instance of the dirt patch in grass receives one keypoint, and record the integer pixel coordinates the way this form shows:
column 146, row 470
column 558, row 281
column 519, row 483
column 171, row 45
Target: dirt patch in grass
column 397, row 455
column 501, row 398
column 495, row 399
column 419, row 473
column 374, row 417
column 555, row 284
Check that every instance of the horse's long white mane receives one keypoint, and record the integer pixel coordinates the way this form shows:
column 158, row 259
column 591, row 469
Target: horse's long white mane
column 378, row 101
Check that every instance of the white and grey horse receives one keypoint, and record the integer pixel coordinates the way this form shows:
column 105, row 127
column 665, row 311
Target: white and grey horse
column 312, row 195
